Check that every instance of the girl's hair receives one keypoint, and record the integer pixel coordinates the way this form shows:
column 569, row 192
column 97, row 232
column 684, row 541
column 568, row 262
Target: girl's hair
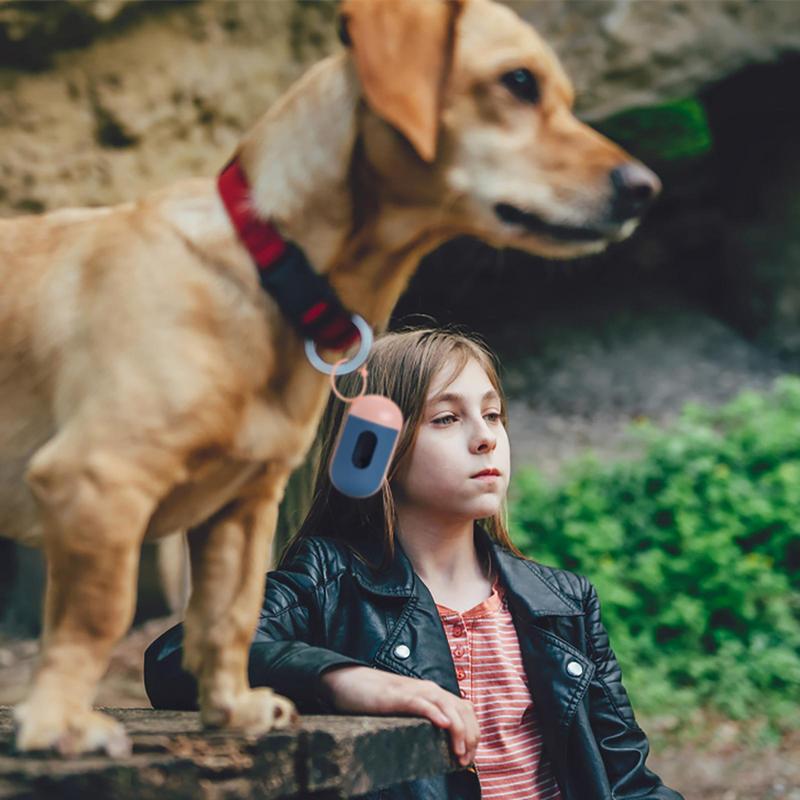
column 401, row 366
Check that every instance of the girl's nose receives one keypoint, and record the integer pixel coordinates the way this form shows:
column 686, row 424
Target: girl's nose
column 485, row 441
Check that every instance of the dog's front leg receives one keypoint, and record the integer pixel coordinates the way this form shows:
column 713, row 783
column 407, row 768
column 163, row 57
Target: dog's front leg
column 95, row 508
column 229, row 556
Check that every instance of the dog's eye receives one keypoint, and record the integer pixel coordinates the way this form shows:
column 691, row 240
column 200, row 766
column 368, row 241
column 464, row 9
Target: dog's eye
column 522, row 84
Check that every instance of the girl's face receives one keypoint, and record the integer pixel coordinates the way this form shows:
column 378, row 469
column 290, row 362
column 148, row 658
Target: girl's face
column 460, row 463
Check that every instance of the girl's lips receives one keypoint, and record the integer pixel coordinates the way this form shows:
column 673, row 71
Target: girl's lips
column 487, row 473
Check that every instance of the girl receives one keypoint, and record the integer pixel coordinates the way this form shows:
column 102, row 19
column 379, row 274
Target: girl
column 403, row 604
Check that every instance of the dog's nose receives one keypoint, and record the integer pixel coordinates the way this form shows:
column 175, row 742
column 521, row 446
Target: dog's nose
column 635, row 188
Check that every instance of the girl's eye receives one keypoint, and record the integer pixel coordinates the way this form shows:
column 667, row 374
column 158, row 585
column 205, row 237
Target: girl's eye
column 522, row 84
column 445, row 420
column 493, row 415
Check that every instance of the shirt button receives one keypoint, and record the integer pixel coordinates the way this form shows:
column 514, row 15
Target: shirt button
column 402, row 651
column 458, row 630
column 574, row 669
column 461, row 674
column 458, row 653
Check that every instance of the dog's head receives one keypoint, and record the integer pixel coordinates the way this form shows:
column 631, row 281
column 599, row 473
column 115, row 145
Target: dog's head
column 470, row 110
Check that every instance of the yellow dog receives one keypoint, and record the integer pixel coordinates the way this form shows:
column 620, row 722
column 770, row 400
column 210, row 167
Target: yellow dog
column 148, row 384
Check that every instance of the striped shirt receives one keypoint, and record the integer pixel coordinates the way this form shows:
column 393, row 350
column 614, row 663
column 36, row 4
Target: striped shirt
column 511, row 762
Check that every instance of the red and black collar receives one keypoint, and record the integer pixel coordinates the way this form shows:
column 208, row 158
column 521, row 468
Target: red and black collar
column 303, row 295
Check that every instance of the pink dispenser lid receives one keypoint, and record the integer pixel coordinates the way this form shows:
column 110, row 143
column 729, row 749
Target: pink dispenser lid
column 379, row 409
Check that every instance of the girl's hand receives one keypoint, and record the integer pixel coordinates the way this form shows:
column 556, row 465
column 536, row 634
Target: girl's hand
column 363, row 690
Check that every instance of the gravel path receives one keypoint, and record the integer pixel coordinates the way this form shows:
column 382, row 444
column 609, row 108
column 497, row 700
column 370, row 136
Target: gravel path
column 579, row 384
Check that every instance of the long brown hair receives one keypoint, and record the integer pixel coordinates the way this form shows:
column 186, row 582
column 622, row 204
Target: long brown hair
column 401, row 366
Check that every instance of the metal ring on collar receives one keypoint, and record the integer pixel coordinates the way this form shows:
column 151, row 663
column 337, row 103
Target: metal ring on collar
column 355, row 362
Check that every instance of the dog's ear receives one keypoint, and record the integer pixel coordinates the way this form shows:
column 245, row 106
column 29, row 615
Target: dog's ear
column 402, row 51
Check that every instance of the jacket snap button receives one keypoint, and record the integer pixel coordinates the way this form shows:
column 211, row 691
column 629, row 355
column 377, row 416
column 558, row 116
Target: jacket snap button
column 402, row 651
column 574, row 669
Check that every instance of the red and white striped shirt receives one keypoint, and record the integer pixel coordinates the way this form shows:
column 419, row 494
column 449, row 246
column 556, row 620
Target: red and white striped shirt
column 510, row 760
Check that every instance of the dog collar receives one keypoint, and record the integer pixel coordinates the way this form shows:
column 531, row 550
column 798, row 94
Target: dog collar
column 303, row 295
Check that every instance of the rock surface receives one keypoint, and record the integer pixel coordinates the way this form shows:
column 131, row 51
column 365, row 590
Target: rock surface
column 164, row 96
column 102, row 101
column 174, row 759
column 624, row 53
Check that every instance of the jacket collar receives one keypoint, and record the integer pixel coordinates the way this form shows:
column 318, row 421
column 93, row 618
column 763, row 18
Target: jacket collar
column 395, row 580
column 524, row 580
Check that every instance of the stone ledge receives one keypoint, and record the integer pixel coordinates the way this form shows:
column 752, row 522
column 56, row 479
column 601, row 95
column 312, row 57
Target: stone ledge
column 174, row 759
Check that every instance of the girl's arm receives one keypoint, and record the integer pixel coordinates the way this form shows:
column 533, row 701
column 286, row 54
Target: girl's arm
column 286, row 655
column 282, row 654
column 623, row 744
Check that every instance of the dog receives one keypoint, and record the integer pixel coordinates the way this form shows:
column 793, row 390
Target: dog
column 150, row 385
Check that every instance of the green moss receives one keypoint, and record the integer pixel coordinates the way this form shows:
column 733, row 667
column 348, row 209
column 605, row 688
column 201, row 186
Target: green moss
column 668, row 132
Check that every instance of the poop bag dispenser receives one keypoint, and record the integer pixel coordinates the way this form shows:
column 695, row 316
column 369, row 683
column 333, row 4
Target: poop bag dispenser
column 365, row 445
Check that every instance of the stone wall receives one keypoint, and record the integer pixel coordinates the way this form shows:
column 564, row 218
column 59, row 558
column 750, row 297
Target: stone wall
column 158, row 94
column 104, row 100
column 173, row 758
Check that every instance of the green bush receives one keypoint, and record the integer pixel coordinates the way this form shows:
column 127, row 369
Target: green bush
column 695, row 552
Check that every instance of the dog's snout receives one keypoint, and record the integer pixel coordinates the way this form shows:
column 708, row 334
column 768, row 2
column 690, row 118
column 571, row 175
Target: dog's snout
column 635, row 188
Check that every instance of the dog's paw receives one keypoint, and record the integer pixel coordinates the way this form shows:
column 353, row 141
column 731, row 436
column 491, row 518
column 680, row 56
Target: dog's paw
column 69, row 732
column 93, row 731
column 254, row 713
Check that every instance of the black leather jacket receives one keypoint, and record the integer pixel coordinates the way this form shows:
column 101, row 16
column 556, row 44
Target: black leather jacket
column 325, row 607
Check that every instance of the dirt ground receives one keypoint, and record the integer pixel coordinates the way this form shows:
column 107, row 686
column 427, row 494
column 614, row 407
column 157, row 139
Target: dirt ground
column 717, row 768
